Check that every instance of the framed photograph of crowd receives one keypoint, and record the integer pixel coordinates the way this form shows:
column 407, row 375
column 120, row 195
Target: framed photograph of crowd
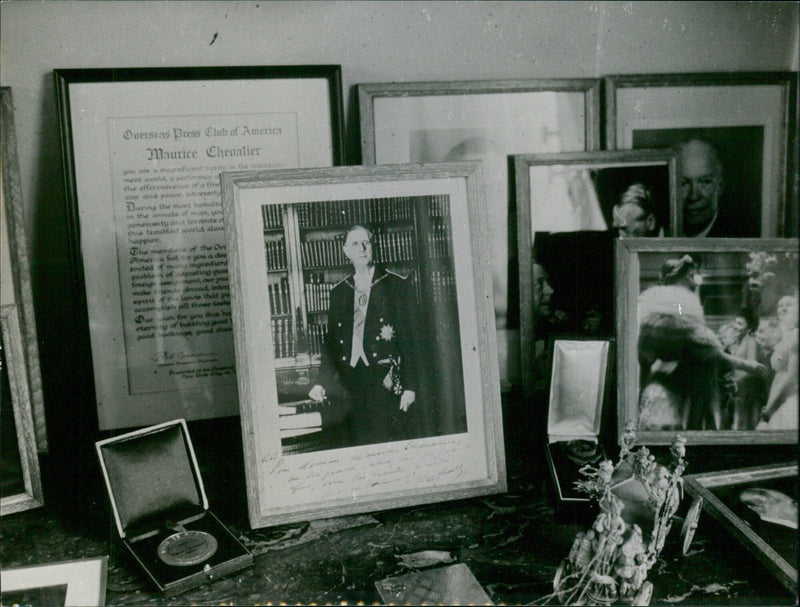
column 422, row 122
column 15, row 273
column 734, row 132
column 759, row 507
column 143, row 150
column 707, row 335
column 79, row 583
column 365, row 341
column 570, row 207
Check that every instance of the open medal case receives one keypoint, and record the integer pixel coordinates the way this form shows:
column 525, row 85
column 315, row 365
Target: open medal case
column 161, row 509
column 577, row 392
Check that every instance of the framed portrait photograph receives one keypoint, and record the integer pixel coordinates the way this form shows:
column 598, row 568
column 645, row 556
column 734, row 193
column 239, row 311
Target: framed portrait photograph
column 15, row 274
column 707, row 339
column 424, row 122
column 143, row 150
column 734, row 131
column 364, row 338
column 758, row 506
column 570, row 208
column 67, row 583
column 20, row 480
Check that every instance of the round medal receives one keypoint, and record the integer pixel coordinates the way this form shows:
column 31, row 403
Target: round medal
column 187, row 548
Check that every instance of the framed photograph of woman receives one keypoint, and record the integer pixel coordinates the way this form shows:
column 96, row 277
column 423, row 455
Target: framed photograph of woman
column 734, row 131
column 364, row 338
column 570, row 208
column 143, row 150
column 421, row 122
column 758, row 506
column 707, row 339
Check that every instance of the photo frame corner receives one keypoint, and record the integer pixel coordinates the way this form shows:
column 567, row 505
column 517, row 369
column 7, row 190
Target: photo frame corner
column 83, row 582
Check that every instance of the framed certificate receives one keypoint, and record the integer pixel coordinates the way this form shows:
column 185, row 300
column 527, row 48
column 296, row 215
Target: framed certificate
column 736, row 126
column 143, row 150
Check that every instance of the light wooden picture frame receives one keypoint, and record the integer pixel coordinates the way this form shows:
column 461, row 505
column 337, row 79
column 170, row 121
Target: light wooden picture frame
column 707, row 339
column 16, row 287
column 79, row 583
column 22, row 483
column 427, row 227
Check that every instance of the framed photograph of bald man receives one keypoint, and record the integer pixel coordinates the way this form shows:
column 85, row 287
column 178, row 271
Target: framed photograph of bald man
column 570, row 208
column 707, row 339
column 483, row 120
column 734, row 132
column 758, row 506
column 364, row 337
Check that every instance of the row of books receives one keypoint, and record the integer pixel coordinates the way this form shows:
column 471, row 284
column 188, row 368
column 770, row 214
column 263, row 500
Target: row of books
column 439, row 242
column 275, row 251
column 444, row 286
column 439, row 205
column 279, row 298
column 272, row 215
column 289, row 342
column 318, row 294
column 386, row 248
column 283, row 337
column 316, row 337
column 344, row 213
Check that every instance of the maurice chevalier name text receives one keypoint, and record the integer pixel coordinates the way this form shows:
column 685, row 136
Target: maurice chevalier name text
column 214, row 151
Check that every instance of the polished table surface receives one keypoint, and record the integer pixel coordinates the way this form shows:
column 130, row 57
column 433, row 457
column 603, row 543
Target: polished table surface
column 512, row 542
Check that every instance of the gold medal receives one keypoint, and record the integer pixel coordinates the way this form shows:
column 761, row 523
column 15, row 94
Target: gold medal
column 187, row 548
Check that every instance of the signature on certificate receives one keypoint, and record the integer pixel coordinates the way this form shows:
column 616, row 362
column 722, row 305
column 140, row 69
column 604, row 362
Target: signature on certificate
column 170, row 359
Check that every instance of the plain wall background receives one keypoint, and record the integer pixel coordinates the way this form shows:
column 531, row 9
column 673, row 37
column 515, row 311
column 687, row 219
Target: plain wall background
column 372, row 41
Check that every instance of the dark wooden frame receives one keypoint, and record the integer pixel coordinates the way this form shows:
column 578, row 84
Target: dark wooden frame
column 86, row 388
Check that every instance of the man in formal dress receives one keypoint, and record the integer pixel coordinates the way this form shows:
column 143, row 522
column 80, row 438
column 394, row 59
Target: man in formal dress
column 699, row 187
column 368, row 362
column 635, row 214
